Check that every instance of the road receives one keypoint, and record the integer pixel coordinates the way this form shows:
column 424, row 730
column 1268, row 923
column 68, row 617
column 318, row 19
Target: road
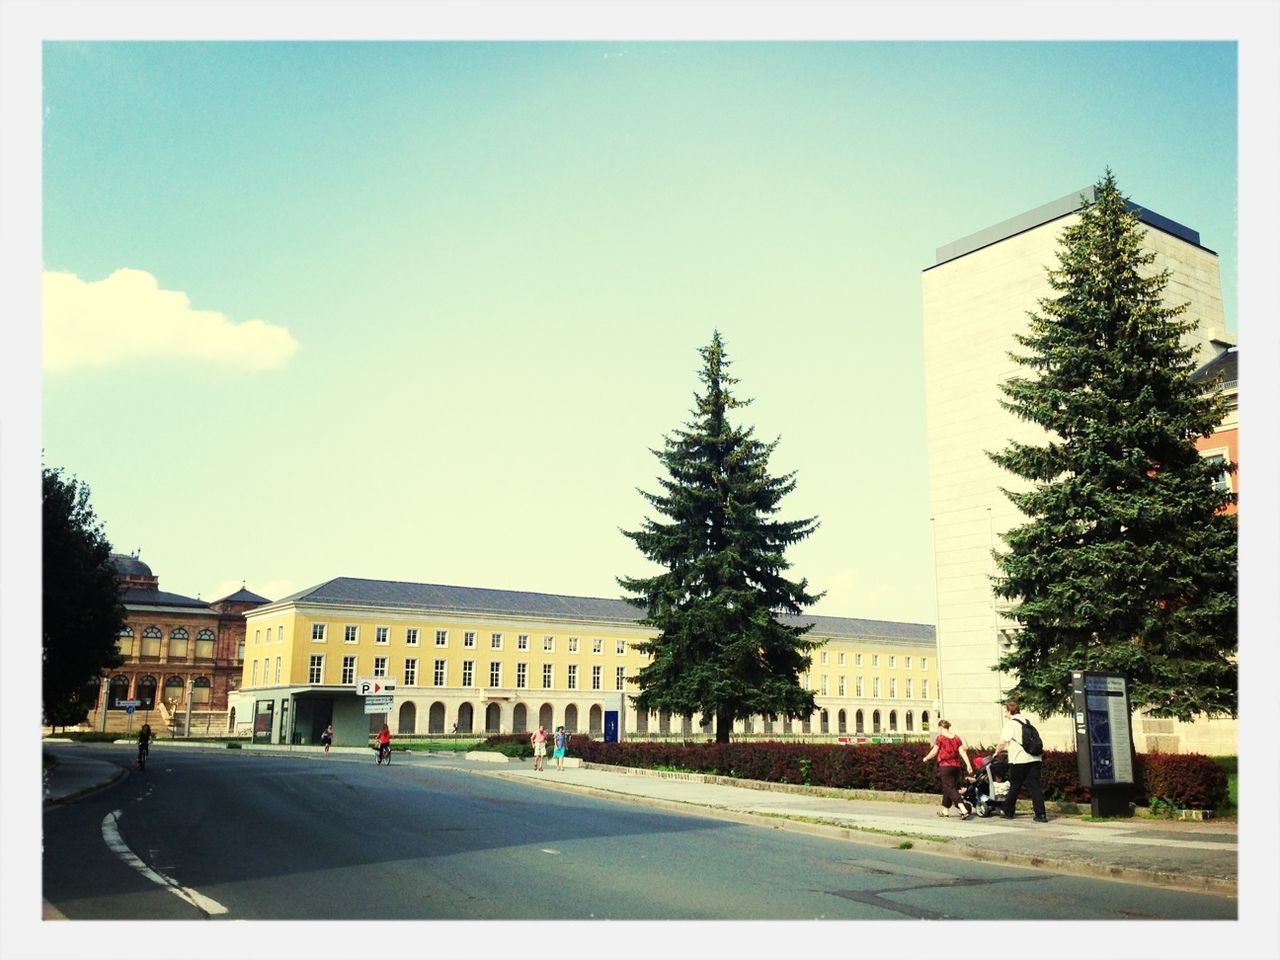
column 226, row 835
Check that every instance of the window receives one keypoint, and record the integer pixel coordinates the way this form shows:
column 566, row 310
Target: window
column 442, row 638
column 522, row 641
column 595, row 676
column 124, row 647
column 268, row 636
column 151, row 638
column 597, row 645
column 348, row 669
column 546, row 676
column 822, row 690
column 893, row 661
column 908, row 688
column 178, row 644
column 257, row 637
column 893, row 687
column 411, row 671
column 619, row 680
column 573, row 644
column 875, row 659
column 857, row 685
column 411, row 636
column 840, row 686
column 822, row 658
column 254, row 681
column 875, row 686
column 381, row 634
column 438, row 679
column 469, row 638
column 317, row 632
column 924, row 689
column 840, row 659
column 205, row 640
column 924, row 663
column 495, row 673
column 495, row 641
column 573, row 676
column 240, row 650
column 350, row 634
column 908, row 663
column 522, row 675
column 280, row 634
column 857, row 659
column 621, row 648
column 468, row 672
column 278, row 669
column 1221, row 479
column 548, row 644
column 379, row 666
column 315, row 670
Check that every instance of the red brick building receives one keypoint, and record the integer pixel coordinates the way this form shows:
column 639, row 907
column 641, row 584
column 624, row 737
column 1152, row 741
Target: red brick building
column 174, row 648
column 1224, row 444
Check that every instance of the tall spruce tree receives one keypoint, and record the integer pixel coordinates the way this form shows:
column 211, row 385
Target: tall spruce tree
column 83, row 610
column 1127, row 563
column 721, row 650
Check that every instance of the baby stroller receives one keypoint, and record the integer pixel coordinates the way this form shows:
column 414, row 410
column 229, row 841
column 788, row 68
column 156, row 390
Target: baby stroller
column 986, row 790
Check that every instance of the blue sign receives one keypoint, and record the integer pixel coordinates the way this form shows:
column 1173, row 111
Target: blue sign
column 129, row 709
column 611, row 726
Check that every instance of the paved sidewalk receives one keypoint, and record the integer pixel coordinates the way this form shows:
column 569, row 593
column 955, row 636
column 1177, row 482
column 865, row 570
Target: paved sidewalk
column 1196, row 856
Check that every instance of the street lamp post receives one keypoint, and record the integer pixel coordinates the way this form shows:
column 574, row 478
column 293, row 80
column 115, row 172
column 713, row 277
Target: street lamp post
column 106, row 702
column 186, row 727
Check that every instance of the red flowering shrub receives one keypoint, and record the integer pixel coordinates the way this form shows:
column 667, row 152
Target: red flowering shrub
column 1187, row 781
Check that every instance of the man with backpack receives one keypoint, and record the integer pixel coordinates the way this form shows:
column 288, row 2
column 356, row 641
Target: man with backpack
column 1025, row 749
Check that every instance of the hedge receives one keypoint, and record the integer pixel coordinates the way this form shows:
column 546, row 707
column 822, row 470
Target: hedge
column 1184, row 781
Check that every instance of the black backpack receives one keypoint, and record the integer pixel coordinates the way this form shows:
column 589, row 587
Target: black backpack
column 1031, row 741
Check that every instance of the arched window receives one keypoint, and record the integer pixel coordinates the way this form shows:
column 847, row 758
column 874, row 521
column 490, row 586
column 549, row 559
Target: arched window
column 824, row 722
column 571, row 718
column 909, row 725
column 858, row 726
column 174, row 687
column 205, row 641
column 118, row 690
column 545, row 716
column 875, row 721
column 492, row 718
column 465, row 713
column 520, row 719
column 664, row 722
column 200, row 691
column 151, row 638
column 145, row 692
column 893, row 721
column 642, row 722
column 924, row 720
column 595, row 720
column 842, row 723
column 435, row 718
column 124, row 642
column 177, row 645
column 408, row 718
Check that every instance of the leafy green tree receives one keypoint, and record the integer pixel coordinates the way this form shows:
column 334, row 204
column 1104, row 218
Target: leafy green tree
column 1127, row 563
column 721, row 649
column 83, row 610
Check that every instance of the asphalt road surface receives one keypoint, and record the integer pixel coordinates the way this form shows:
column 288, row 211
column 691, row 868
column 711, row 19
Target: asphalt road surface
column 231, row 835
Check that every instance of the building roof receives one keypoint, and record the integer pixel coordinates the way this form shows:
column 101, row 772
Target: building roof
column 128, row 566
column 1054, row 210
column 243, row 596
column 351, row 591
column 142, row 597
column 1225, row 365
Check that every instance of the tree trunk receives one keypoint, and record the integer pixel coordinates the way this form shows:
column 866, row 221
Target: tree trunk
column 724, row 724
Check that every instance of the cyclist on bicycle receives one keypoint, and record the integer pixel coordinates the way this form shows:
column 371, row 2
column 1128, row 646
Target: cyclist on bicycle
column 384, row 743
column 144, row 744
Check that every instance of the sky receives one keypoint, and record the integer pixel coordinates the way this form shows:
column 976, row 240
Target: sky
column 420, row 310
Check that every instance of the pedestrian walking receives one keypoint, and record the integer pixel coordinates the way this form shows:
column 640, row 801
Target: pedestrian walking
column 539, row 740
column 327, row 738
column 561, row 742
column 952, row 757
column 1024, row 766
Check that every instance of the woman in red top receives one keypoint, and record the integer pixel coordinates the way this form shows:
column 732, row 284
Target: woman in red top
column 950, row 751
column 384, row 744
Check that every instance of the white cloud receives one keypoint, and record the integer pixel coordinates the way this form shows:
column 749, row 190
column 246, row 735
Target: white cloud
column 127, row 318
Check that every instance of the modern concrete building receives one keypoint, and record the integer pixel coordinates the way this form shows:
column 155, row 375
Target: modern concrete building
column 976, row 296
column 473, row 661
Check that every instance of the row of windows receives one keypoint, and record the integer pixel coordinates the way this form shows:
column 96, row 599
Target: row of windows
column 440, row 670
column 470, row 638
column 875, row 660
column 875, row 687
column 177, row 633
column 179, row 642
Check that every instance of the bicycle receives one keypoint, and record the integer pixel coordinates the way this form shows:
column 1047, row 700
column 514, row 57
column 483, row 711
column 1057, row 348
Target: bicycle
column 143, row 750
column 382, row 753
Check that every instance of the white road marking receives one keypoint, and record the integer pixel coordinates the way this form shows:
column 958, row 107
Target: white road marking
column 549, row 850
column 115, row 842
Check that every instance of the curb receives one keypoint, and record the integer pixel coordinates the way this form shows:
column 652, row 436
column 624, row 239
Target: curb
column 121, row 773
column 918, row 841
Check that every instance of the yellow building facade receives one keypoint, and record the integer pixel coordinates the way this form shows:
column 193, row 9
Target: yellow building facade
column 472, row 660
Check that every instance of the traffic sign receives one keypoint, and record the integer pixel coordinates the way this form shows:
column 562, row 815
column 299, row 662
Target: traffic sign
column 370, row 686
column 378, row 704
column 129, row 708
column 128, row 703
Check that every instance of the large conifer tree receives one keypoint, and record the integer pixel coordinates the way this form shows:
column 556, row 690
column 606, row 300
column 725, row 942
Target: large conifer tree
column 1127, row 562
column 721, row 650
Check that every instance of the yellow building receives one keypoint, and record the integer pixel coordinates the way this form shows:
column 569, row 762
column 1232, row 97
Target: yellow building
column 472, row 660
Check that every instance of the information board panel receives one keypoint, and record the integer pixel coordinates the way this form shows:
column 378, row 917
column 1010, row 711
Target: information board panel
column 1104, row 733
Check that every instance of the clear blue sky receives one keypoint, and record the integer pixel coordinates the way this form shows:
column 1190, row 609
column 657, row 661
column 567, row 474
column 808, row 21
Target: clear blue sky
column 495, row 263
